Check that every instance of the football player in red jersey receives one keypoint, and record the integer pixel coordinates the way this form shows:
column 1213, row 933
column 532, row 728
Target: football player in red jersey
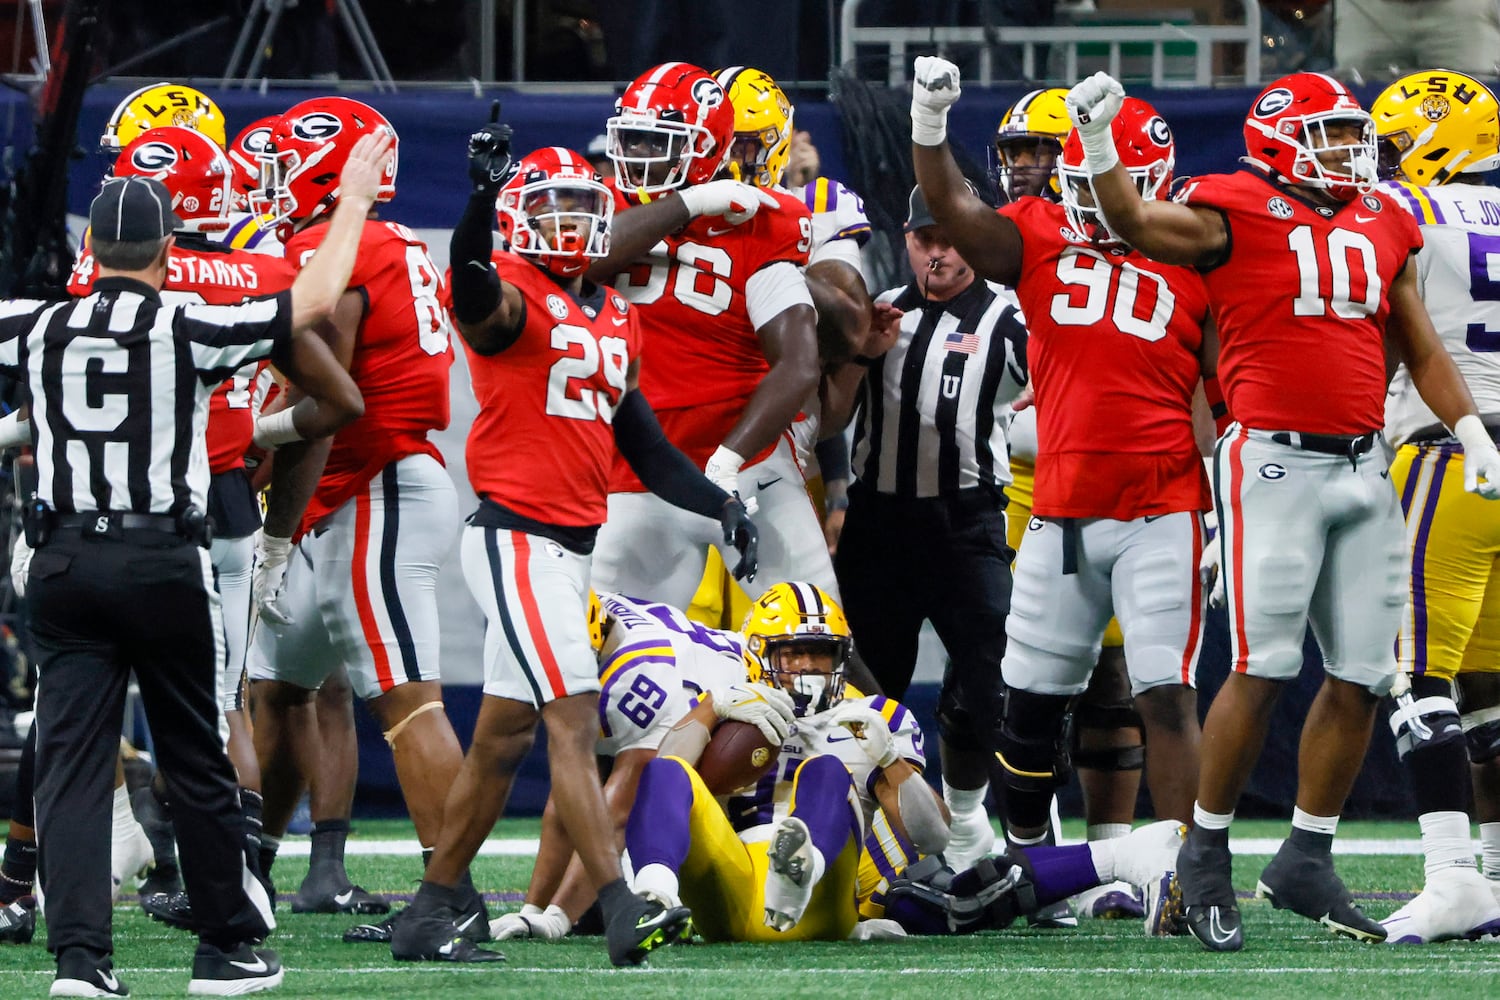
column 371, row 517
column 1311, row 277
column 730, row 345
column 555, row 365
column 202, row 269
column 1118, row 346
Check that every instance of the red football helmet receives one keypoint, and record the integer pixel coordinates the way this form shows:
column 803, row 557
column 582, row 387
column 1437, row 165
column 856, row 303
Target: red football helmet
column 1144, row 144
column 245, row 157
column 308, row 147
column 1287, row 134
column 193, row 168
column 676, row 118
column 556, row 210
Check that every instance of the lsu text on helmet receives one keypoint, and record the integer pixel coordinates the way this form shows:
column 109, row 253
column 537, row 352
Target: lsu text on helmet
column 308, row 147
column 792, row 631
column 1432, row 126
column 193, row 168
column 555, row 210
column 673, row 126
column 1308, row 129
column 1032, row 129
column 1146, row 148
column 762, row 143
column 158, row 105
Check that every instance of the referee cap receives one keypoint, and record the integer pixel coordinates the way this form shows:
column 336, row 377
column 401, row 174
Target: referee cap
column 917, row 213
column 133, row 210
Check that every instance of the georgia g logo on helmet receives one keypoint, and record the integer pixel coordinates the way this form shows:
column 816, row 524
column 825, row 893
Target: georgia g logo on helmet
column 317, row 126
column 256, row 140
column 1273, row 103
column 1157, row 131
column 149, row 157
column 707, row 93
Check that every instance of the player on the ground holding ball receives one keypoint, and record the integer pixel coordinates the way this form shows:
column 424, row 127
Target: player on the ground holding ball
column 1310, row 276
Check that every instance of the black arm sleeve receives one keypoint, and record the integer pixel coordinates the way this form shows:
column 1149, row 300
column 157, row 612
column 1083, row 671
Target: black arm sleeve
column 663, row 469
column 476, row 286
column 833, row 458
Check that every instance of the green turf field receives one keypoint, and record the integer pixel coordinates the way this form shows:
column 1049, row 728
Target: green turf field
column 1286, row 957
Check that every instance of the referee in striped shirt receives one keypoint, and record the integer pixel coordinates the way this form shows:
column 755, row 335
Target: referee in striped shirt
column 924, row 537
column 120, row 578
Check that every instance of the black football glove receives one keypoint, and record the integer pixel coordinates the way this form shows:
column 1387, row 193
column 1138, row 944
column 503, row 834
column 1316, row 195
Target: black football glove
column 741, row 532
column 489, row 154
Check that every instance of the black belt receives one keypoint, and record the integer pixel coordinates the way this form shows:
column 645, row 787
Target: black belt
column 1349, row 446
column 100, row 521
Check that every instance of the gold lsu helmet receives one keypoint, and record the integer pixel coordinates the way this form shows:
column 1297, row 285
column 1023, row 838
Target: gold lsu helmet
column 797, row 615
column 1040, row 117
column 1432, row 126
column 598, row 623
column 163, row 104
column 762, row 123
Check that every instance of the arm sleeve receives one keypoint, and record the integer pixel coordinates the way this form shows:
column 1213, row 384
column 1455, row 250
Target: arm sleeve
column 476, row 286
column 663, row 469
column 774, row 289
column 833, row 458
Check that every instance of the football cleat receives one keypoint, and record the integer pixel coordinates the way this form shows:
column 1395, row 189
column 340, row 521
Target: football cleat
column 312, row 898
column 877, row 929
column 434, row 937
column 1163, row 910
column 1115, row 901
column 79, row 975
column 473, row 923
column 218, row 973
column 171, row 908
column 1494, row 887
column 636, row 932
column 1053, row 916
column 1456, row 903
column 18, row 920
column 1307, row 885
column 1203, row 872
column 789, row 874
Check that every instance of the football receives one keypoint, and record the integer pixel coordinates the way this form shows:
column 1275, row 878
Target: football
column 736, row 756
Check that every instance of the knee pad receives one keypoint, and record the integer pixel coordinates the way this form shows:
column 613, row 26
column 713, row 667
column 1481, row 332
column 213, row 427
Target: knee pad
column 1034, row 741
column 958, row 727
column 1482, row 733
column 1429, row 719
column 1108, row 718
column 396, row 730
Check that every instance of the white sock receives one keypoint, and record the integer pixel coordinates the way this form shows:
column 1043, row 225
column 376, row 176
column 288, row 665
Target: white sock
column 1314, row 824
column 964, row 800
column 124, row 818
column 1489, row 845
column 659, row 881
column 1103, row 852
column 1107, row 831
column 1211, row 821
column 1445, row 841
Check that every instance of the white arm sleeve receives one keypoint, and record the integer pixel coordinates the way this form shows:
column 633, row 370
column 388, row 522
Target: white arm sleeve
column 773, row 290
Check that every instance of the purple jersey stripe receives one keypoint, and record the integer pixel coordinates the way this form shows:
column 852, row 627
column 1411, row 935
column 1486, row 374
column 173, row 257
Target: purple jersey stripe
column 1411, row 199
column 898, row 718
column 1419, row 564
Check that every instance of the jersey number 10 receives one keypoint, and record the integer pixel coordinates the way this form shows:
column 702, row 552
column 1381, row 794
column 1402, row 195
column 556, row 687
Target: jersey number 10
column 1349, row 255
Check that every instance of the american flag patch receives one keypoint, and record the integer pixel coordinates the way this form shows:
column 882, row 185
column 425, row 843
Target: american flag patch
column 963, row 343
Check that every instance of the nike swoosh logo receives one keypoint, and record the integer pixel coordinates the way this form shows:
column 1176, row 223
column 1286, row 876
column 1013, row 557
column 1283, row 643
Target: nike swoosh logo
column 832, row 738
column 109, row 980
column 619, row 322
column 720, row 232
column 1152, row 517
column 342, row 898
column 1363, row 218
column 463, row 924
column 482, row 265
column 1215, row 929
column 259, row 965
column 768, row 483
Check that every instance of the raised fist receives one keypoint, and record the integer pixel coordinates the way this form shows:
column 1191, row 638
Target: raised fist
column 489, row 153
column 934, row 84
column 1093, row 103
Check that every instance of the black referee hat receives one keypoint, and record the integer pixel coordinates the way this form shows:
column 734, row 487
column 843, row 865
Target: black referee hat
column 133, row 210
column 917, row 212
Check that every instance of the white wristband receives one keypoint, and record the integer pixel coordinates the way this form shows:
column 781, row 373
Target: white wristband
column 1099, row 150
column 1472, row 434
column 928, row 128
column 725, row 459
column 273, row 430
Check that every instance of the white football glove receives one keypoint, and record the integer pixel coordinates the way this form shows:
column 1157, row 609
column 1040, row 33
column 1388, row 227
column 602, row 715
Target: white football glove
column 20, row 564
column 871, row 731
column 769, row 709
column 736, row 201
column 1481, row 460
column 268, row 578
column 551, row 924
column 1092, row 106
column 723, row 470
column 1210, row 575
column 934, row 89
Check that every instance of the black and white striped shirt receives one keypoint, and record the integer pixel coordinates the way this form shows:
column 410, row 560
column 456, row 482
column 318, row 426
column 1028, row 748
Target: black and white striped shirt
column 932, row 417
column 120, row 386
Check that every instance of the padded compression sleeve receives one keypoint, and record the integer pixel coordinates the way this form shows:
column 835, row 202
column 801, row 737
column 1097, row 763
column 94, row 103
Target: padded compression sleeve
column 476, row 286
column 833, row 458
column 663, row 469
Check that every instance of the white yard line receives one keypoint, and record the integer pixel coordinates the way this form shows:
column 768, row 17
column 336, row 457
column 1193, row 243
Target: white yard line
column 1480, row 968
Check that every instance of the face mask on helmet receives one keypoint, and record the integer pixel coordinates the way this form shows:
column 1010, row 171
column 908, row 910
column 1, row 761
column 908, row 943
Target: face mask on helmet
column 245, row 158
column 762, row 144
column 1308, row 130
column 305, row 154
column 672, row 126
column 810, row 669
column 1435, row 125
column 797, row 638
column 1027, row 143
column 1146, row 149
column 555, row 211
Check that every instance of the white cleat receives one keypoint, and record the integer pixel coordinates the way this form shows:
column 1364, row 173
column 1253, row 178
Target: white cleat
column 877, row 929
column 789, row 874
column 1114, row 901
column 1457, row 903
column 1143, row 854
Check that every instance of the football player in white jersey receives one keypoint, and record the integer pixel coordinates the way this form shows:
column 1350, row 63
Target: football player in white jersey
column 1438, row 135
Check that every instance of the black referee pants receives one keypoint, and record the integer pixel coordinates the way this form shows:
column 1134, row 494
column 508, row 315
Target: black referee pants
column 944, row 560
column 100, row 607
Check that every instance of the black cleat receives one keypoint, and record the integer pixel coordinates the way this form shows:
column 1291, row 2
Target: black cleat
column 329, row 899
column 1306, row 884
column 434, row 937
column 1204, row 869
column 473, row 924
column 79, row 975
column 171, row 908
column 640, row 930
column 376, row 933
column 18, row 920
column 245, row 969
